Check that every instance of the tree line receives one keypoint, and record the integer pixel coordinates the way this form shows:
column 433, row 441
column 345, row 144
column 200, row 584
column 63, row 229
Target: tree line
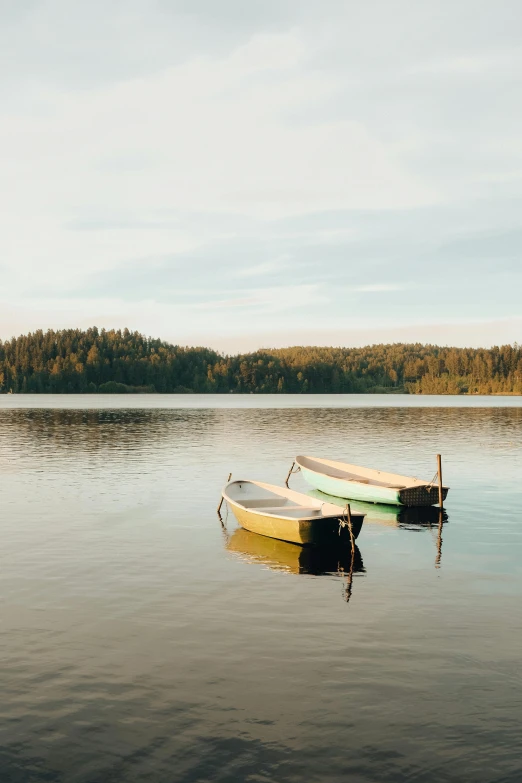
column 105, row 361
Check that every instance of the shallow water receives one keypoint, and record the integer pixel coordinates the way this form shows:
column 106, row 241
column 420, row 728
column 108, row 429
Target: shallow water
column 142, row 642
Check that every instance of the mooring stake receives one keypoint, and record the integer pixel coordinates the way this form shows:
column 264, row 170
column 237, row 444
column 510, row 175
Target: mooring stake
column 222, row 498
column 289, row 474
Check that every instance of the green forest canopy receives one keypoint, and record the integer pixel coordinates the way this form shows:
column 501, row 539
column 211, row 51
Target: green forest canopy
column 96, row 360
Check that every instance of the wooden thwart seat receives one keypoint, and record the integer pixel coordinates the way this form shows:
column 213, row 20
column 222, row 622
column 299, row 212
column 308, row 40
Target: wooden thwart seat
column 264, row 502
column 297, row 512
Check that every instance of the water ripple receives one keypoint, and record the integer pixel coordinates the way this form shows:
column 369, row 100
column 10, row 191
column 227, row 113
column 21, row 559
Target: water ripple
column 141, row 642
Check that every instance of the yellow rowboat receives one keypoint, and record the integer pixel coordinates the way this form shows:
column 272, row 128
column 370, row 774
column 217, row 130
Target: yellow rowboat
column 278, row 512
column 372, row 486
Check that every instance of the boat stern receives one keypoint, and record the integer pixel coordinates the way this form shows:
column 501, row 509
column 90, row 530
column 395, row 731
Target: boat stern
column 423, row 495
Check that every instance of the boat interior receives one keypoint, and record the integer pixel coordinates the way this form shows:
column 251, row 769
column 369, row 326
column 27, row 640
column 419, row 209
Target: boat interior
column 286, row 506
column 255, row 496
column 347, row 473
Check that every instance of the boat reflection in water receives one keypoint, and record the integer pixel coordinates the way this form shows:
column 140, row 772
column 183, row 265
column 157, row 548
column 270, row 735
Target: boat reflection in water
column 279, row 555
column 416, row 518
column 394, row 516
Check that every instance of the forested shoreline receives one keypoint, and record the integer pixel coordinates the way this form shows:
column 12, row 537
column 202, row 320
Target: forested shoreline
column 73, row 361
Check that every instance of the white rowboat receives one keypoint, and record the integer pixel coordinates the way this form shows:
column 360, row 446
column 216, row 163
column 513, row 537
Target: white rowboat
column 372, row 486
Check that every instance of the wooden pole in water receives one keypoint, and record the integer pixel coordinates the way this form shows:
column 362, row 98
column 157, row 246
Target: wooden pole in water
column 289, row 474
column 222, row 498
column 439, row 472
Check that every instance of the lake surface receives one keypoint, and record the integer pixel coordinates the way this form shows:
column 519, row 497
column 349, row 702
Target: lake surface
column 141, row 641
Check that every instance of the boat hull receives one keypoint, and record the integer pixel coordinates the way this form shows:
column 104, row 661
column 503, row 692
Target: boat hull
column 351, row 490
column 297, row 531
column 424, row 495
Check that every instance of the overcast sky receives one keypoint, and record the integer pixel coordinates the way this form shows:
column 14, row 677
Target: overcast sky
column 242, row 174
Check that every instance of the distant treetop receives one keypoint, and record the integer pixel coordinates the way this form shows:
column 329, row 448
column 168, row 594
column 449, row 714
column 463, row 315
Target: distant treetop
column 97, row 360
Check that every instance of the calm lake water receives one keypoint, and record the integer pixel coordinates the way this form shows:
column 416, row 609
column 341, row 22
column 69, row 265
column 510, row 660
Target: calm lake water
column 141, row 641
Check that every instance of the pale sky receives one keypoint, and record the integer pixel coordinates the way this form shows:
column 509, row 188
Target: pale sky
column 242, row 174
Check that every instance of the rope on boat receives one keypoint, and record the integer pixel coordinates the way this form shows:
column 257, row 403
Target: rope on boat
column 430, row 486
column 345, row 520
column 222, row 497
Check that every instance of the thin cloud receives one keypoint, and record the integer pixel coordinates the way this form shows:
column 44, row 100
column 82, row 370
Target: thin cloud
column 265, row 268
column 289, row 297
column 380, row 287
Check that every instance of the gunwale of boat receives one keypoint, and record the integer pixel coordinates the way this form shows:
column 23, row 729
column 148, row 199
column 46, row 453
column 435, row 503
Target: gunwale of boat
column 359, row 475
